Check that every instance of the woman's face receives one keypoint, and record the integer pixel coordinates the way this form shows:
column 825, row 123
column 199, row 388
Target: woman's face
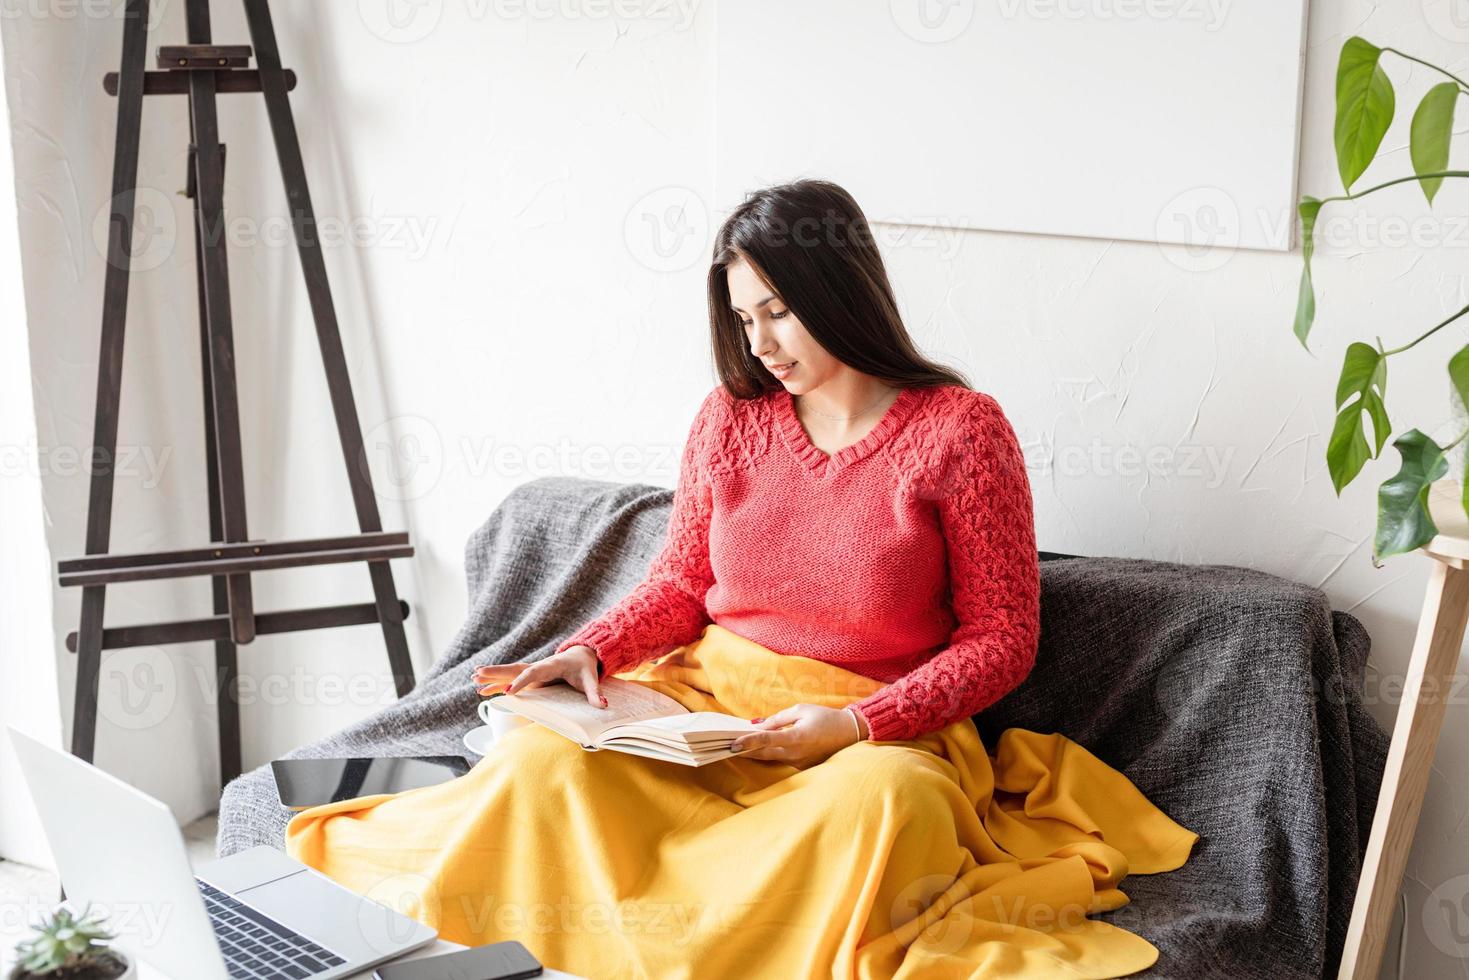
column 774, row 335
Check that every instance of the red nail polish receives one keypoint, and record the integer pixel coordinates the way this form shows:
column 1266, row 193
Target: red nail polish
column 756, row 721
column 604, row 700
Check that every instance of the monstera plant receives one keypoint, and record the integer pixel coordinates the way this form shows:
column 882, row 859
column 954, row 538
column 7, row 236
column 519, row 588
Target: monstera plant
column 1365, row 103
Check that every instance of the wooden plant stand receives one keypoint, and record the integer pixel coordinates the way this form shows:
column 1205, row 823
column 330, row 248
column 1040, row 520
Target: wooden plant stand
column 1426, row 691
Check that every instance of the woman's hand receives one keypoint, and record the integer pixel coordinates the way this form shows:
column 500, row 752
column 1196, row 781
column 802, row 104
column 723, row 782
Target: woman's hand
column 802, row 733
column 576, row 665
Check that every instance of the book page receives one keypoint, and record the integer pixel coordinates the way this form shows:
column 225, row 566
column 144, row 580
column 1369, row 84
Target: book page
column 682, row 756
column 675, row 741
column 565, row 709
column 691, row 723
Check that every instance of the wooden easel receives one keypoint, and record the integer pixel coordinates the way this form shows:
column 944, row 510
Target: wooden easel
column 202, row 70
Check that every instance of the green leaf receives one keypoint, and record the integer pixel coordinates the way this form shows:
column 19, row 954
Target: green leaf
column 1381, row 427
column 1364, row 374
column 1362, row 367
column 1306, row 297
column 1347, row 452
column 1403, row 520
column 1464, row 490
column 1459, row 374
column 1433, row 125
column 1364, row 107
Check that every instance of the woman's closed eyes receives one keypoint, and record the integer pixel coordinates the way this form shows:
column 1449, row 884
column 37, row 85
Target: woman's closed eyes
column 774, row 316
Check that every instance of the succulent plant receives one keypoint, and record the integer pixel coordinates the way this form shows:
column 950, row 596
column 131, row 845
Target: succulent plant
column 65, row 944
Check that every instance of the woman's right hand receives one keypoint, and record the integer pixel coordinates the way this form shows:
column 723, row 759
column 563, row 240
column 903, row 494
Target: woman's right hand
column 576, row 665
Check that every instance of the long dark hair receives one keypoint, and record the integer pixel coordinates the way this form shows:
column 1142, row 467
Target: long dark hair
column 811, row 244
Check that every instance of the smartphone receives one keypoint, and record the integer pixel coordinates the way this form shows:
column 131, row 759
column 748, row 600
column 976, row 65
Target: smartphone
column 303, row 783
column 497, row 961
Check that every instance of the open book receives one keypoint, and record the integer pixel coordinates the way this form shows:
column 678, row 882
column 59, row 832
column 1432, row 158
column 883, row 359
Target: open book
column 637, row 720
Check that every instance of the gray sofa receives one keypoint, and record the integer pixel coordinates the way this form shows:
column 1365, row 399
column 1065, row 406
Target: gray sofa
column 1230, row 697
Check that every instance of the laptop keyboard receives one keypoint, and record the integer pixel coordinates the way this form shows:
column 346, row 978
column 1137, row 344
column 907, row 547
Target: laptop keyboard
column 256, row 947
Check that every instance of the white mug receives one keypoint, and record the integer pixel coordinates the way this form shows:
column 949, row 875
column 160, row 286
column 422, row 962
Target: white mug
column 499, row 721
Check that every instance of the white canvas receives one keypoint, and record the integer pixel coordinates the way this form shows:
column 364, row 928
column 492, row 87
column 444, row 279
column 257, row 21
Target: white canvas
column 1152, row 120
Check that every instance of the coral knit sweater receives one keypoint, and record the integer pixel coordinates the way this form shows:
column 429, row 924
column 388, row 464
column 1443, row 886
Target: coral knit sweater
column 909, row 556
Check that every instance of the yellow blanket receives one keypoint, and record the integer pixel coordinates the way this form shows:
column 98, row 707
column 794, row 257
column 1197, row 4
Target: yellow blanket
column 922, row 858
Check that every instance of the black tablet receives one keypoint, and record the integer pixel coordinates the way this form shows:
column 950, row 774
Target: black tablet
column 302, row 783
column 507, row 960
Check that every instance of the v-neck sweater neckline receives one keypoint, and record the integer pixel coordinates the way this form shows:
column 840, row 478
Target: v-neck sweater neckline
column 820, row 462
column 922, row 573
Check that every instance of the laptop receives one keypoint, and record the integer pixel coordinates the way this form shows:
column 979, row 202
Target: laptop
column 254, row 914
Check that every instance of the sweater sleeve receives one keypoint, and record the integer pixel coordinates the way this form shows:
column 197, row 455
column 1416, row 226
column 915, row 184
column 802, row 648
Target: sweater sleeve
column 985, row 509
column 666, row 610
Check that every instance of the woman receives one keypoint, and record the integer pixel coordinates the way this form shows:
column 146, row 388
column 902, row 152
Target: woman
column 872, row 460
column 850, row 559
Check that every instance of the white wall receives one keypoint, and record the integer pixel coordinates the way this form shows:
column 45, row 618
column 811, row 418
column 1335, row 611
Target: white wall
column 521, row 286
column 1041, row 84
column 28, row 695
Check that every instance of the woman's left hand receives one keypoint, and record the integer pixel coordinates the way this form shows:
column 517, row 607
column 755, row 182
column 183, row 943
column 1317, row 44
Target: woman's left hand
column 800, row 734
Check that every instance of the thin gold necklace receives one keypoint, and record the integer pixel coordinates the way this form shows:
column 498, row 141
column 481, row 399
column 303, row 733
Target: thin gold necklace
column 848, row 418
